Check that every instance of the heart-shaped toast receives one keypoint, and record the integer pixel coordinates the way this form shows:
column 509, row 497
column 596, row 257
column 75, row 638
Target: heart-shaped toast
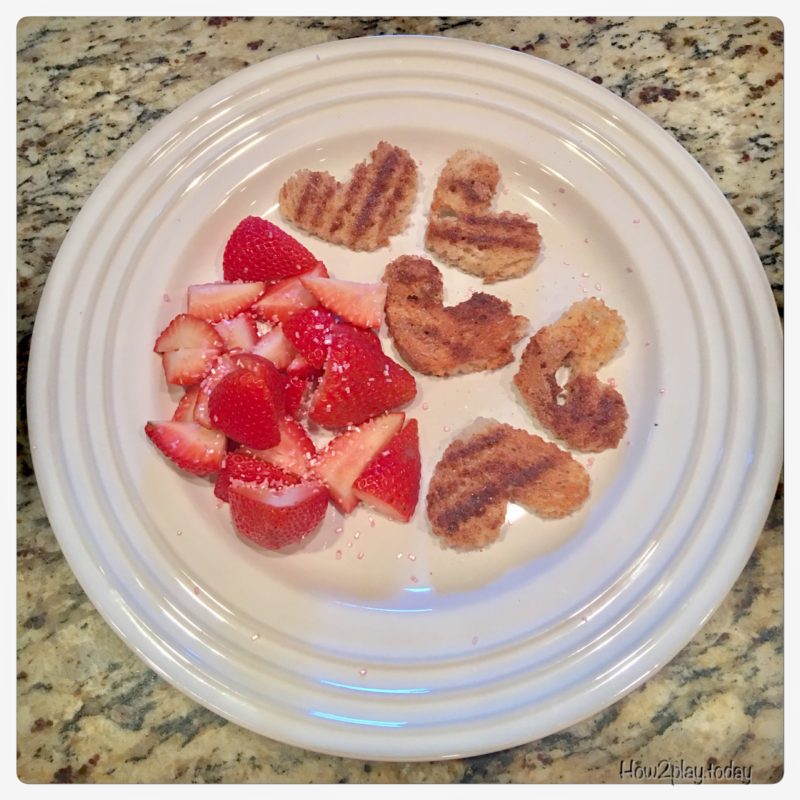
column 463, row 230
column 587, row 414
column 437, row 340
column 491, row 464
column 364, row 212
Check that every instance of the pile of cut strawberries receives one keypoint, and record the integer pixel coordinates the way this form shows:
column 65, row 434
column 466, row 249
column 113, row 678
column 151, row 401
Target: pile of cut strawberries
column 278, row 352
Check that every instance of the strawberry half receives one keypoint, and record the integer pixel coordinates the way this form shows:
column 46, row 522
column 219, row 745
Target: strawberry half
column 360, row 304
column 185, row 331
column 346, row 456
column 215, row 301
column 295, row 452
column 359, row 381
column 258, row 250
column 184, row 411
column 248, row 469
column 244, row 407
column 239, row 333
column 310, row 334
column 275, row 518
column 390, row 482
column 188, row 445
column 287, row 297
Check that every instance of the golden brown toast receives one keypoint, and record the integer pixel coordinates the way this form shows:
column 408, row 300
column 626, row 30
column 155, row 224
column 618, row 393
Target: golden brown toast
column 489, row 465
column 472, row 336
column 364, row 212
column 587, row 414
column 464, row 232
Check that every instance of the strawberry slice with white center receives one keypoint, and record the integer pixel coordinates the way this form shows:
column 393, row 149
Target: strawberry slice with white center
column 248, row 469
column 287, row 298
column 346, row 456
column 184, row 411
column 188, row 445
column 187, row 332
column 187, row 366
column 359, row 303
column 245, row 408
column 274, row 346
column 215, row 301
column 359, row 380
column 295, row 452
column 390, row 482
column 223, row 366
column 276, row 518
column 239, row 333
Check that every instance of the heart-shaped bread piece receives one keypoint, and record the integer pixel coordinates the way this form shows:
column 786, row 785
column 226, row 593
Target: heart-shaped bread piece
column 364, row 212
column 491, row 464
column 587, row 414
column 463, row 230
column 437, row 340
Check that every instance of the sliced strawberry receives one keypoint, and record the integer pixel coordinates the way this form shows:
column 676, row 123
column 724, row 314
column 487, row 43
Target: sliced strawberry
column 239, row 333
column 187, row 444
column 242, row 467
column 188, row 366
column 219, row 369
column 187, row 332
column 275, row 518
column 243, row 407
column 258, row 250
column 215, row 301
column 390, row 482
column 310, row 334
column 295, row 452
column 287, row 298
column 186, row 405
column 300, row 368
column 360, row 304
column 294, row 392
column 273, row 345
column 359, row 381
column 346, row 456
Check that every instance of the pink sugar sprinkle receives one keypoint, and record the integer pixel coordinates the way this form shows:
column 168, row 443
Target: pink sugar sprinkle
column 589, row 462
column 425, row 406
column 338, row 530
column 412, row 557
column 399, row 555
column 628, row 269
column 561, row 190
column 197, row 590
column 661, row 391
column 362, row 671
column 167, row 298
column 371, row 522
column 636, row 221
column 360, row 556
column 338, row 555
column 446, row 429
column 474, row 640
column 179, row 533
column 414, row 579
column 612, row 382
column 584, row 274
column 599, row 287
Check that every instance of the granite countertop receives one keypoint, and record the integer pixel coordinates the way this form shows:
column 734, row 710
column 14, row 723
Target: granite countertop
column 88, row 709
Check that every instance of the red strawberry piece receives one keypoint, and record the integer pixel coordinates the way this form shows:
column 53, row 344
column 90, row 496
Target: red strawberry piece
column 245, row 468
column 294, row 392
column 359, row 381
column 219, row 369
column 360, row 304
column 274, row 346
column 295, row 452
column 186, row 405
column 310, row 334
column 390, row 482
column 258, row 250
column 215, row 301
column 243, row 407
column 346, row 456
column 190, row 332
column 239, row 333
column 276, row 517
column 287, row 297
column 187, row 366
column 300, row 368
column 190, row 446
column 264, row 369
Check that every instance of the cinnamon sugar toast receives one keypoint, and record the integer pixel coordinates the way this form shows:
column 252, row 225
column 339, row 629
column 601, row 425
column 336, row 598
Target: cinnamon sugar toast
column 364, row 212
column 436, row 340
column 489, row 465
column 463, row 230
column 588, row 415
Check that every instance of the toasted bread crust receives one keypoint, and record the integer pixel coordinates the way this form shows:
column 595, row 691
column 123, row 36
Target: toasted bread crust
column 364, row 212
column 490, row 465
column 588, row 415
column 464, row 232
column 474, row 335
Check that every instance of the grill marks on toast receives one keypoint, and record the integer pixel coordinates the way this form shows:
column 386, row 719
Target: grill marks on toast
column 364, row 212
column 464, row 232
column 490, row 465
column 436, row 340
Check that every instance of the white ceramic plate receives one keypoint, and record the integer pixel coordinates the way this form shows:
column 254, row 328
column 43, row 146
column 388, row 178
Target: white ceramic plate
column 373, row 641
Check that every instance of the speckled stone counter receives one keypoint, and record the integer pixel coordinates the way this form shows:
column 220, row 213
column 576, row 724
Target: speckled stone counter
column 88, row 709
